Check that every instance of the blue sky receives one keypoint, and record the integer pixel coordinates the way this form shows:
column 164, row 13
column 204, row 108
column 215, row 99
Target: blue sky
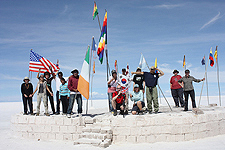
column 63, row 30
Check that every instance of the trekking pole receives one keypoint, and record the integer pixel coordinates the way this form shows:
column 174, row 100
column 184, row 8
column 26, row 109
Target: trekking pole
column 165, row 98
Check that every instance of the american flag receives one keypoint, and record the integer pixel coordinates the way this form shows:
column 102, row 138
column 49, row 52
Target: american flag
column 37, row 61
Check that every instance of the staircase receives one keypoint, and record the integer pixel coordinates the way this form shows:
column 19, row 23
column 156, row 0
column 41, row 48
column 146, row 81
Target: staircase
column 96, row 134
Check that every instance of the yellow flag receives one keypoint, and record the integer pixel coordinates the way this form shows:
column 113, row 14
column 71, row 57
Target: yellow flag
column 94, row 67
column 215, row 54
column 184, row 63
column 156, row 62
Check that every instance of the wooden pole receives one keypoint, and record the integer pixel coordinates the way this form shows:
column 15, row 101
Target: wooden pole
column 203, row 83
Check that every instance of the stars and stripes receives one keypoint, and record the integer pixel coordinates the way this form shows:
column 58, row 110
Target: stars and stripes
column 37, row 61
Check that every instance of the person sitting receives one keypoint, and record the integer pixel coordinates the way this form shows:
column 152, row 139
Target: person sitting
column 118, row 101
column 137, row 97
column 64, row 94
column 42, row 89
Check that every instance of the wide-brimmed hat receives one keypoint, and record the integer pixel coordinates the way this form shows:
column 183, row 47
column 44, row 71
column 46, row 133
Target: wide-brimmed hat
column 187, row 71
column 26, row 78
column 74, row 71
column 175, row 71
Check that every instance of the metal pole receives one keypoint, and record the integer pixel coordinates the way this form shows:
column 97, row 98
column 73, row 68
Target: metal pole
column 89, row 74
column 203, row 84
column 99, row 23
column 206, row 81
column 218, row 79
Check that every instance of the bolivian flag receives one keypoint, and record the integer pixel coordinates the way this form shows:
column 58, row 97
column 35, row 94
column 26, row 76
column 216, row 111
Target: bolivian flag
column 83, row 82
column 211, row 58
column 95, row 11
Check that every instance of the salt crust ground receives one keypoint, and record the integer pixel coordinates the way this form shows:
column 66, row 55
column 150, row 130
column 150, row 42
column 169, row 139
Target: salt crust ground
column 9, row 141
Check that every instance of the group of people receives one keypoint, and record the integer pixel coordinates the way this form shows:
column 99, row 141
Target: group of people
column 65, row 93
column 118, row 95
column 147, row 82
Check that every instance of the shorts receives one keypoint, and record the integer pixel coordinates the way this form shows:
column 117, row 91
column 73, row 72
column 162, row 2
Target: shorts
column 119, row 105
column 135, row 108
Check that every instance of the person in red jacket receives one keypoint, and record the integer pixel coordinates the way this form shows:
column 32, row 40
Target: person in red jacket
column 74, row 93
column 176, row 89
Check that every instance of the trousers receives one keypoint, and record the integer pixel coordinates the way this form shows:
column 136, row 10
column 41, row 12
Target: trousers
column 44, row 98
column 186, row 95
column 30, row 104
column 152, row 97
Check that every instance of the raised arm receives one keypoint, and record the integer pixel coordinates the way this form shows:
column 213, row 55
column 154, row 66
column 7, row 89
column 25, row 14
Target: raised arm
column 161, row 72
column 140, row 73
column 38, row 73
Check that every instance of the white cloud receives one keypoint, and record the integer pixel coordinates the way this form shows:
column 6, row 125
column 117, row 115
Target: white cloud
column 211, row 21
column 65, row 9
column 166, row 6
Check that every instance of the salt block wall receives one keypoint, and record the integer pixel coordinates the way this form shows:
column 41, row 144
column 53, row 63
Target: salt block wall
column 172, row 127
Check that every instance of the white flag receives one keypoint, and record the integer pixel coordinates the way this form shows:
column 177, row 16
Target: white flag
column 142, row 63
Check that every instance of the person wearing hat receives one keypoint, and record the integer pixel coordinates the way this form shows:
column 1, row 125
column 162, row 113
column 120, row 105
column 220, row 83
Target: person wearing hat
column 137, row 97
column 112, row 83
column 151, row 80
column 41, row 90
column 27, row 90
column 176, row 89
column 139, row 79
column 188, row 88
column 74, row 93
column 48, row 80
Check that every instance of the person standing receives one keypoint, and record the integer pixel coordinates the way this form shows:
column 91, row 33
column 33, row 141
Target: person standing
column 74, row 93
column 112, row 83
column 41, row 90
column 151, row 80
column 64, row 94
column 27, row 90
column 57, row 85
column 49, row 82
column 140, row 80
column 188, row 88
column 176, row 89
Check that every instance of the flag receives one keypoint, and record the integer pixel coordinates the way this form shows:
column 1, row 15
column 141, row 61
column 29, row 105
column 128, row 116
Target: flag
column 102, row 40
column 184, row 63
column 211, row 58
column 116, row 65
column 142, row 63
column 83, row 82
column 203, row 60
column 94, row 67
column 156, row 71
column 127, row 70
column 93, row 48
column 37, row 61
column 95, row 11
column 215, row 54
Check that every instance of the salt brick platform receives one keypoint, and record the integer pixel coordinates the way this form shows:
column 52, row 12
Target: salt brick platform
column 104, row 129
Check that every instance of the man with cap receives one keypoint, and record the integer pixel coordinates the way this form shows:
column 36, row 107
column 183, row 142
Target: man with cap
column 188, row 88
column 176, row 89
column 140, row 80
column 112, row 83
column 151, row 80
column 27, row 90
column 137, row 97
column 74, row 93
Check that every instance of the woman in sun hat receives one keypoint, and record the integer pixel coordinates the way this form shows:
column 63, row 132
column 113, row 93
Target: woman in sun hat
column 27, row 90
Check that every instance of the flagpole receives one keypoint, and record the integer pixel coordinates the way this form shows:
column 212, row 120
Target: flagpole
column 90, row 69
column 99, row 23
column 203, row 83
column 206, row 81
column 218, row 77
column 89, row 75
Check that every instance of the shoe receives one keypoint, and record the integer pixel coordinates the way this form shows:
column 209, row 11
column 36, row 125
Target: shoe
column 156, row 112
column 185, row 110
column 68, row 115
column 25, row 114
column 141, row 112
column 121, row 112
column 150, row 112
column 126, row 112
column 114, row 112
column 47, row 114
column 37, row 114
column 57, row 113
column 32, row 114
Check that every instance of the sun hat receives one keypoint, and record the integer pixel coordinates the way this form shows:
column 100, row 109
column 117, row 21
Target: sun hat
column 26, row 78
column 175, row 71
column 138, row 68
column 136, row 86
column 74, row 71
